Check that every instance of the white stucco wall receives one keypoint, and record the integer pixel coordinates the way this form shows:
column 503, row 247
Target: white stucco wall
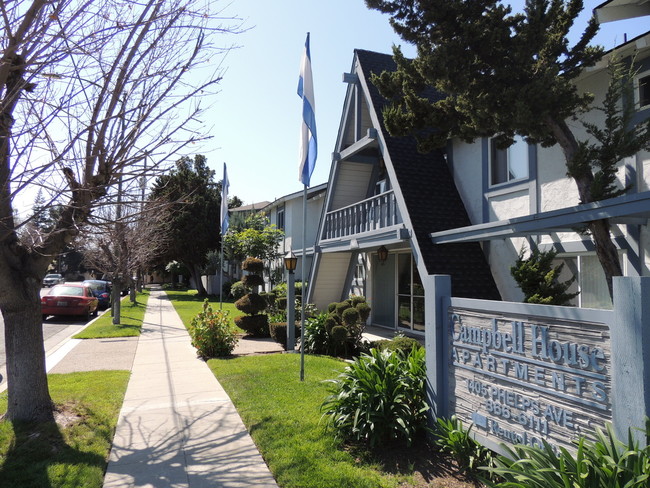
column 467, row 167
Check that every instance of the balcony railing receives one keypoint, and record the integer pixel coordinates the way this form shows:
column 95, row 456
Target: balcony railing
column 368, row 215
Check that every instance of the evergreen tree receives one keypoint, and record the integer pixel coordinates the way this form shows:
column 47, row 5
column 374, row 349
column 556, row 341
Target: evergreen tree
column 539, row 279
column 504, row 74
column 193, row 217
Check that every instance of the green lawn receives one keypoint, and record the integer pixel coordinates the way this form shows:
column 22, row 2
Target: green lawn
column 65, row 457
column 131, row 316
column 188, row 305
column 283, row 416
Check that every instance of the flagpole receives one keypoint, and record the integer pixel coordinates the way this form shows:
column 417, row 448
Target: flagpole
column 303, row 295
column 308, row 152
column 221, row 276
column 224, row 228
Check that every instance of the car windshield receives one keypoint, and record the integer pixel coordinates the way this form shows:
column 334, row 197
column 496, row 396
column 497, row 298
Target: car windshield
column 53, row 276
column 65, row 290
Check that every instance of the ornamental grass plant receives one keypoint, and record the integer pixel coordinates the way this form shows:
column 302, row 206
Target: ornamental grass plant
column 379, row 398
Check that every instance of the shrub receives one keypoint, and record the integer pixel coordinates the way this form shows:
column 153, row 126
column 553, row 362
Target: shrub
column 399, row 343
column 251, row 303
column 253, row 266
column 379, row 398
column 226, row 287
column 280, row 290
column 538, row 279
column 341, row 307
column 256, row 325
column 356, row 300
column 350, row 317
column 278, row 331
column 251, row 281
column 316, row 336
column 451, row 438
column 238, row 290
column 332, row 307
column 211, row 333
column 605, row 461
column 364, row 311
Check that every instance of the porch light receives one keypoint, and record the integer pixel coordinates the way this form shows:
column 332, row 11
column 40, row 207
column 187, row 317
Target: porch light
column 382, row 254
column 290, row 261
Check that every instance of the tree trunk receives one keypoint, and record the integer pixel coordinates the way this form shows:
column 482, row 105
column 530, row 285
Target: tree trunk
column 29, row 397
column 196, row 274
column 116, row 308
column 599, row 229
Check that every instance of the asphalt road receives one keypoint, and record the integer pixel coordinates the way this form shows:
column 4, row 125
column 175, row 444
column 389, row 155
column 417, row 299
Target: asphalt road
column 56, row 330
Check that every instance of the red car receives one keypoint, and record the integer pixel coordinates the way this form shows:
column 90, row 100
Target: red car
column 69, row 299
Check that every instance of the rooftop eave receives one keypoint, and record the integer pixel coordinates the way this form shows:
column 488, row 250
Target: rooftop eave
column 627, row 209
column 621, row 9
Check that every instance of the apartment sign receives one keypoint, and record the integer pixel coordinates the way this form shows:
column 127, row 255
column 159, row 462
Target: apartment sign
column 525, row 380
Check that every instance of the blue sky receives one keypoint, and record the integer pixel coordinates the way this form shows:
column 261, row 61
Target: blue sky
column 255, row 118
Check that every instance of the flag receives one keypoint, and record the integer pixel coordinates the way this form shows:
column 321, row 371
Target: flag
column 224, row 201
column 308, row 145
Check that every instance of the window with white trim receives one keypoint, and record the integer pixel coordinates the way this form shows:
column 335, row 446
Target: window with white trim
column 509, row 164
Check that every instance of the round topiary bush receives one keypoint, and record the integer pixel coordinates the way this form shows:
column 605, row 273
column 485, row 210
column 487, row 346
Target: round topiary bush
column 350, row 317
column 253, row 265
column 364, row 311
column 339, row 335
column 357, row 299
column 256, row 325
column 251, row 304
column 252, row 280
column 332, row 307
column 340, row 307
column 331, row 322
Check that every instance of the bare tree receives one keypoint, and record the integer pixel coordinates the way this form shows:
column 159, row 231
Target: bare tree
column 121, row 247
column 88, row 90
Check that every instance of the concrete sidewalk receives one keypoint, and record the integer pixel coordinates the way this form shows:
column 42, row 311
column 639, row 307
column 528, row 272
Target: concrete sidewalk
column 177, row 427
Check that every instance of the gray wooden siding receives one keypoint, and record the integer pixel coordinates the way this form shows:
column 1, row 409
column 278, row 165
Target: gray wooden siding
column 351, row 184
column 330, row 279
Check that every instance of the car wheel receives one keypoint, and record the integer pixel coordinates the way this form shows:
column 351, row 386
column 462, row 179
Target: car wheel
column 95, row 312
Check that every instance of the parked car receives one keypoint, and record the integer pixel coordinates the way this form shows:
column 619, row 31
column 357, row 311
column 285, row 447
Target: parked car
column 53, row 279
column 69, row 299
column 102, row 290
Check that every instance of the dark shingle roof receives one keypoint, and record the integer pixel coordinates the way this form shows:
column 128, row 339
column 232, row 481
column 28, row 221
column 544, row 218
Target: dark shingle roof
column 432, row 200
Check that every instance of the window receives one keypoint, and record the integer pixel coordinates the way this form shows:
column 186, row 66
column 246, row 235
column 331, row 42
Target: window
column 643, row 90
column 280, row 223
column 508, row 164
column 591, row 281
column 410, row 294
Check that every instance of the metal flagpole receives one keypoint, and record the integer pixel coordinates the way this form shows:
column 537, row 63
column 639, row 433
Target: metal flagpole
column 221, row 276
column 303, row 296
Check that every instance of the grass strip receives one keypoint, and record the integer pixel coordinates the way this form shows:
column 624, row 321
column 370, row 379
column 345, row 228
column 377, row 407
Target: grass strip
column 72, row 453
column 282, row 415
column 131, row 316
column 188, row 305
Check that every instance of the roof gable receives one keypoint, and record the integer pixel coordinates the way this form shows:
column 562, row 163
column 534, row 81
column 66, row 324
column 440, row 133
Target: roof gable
column 427, row 193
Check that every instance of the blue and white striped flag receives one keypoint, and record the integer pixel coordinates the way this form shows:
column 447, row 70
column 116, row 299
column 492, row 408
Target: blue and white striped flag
column 308, row 145
column 224, row 201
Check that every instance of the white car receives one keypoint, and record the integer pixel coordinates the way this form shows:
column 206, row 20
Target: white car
column 53, row 279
